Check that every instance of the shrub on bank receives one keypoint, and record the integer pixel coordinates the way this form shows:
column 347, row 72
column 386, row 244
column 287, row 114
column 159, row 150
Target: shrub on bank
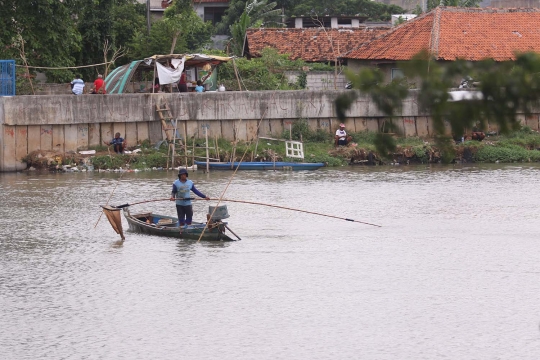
column 506, row 153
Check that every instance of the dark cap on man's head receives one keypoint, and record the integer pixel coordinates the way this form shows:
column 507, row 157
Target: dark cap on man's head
column 182, row 171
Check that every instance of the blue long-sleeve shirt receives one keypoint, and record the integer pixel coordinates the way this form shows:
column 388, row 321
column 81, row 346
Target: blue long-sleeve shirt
column 181, row 190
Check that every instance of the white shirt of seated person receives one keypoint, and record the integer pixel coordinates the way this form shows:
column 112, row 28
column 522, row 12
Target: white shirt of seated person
column 341, row 133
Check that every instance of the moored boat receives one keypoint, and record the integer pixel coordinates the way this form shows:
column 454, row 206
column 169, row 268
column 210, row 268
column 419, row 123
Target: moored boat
column 256, row 165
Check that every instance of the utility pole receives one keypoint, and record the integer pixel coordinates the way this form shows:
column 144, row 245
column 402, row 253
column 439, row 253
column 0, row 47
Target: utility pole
column 148, row 16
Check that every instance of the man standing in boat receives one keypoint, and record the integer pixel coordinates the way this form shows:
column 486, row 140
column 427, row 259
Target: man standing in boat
column 181, row 192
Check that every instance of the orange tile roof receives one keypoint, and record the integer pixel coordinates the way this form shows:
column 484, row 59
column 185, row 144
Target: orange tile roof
column 309, row 44
column 449, row 33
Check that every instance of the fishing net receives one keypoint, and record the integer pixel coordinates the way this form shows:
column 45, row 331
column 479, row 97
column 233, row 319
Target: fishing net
column 113, row 215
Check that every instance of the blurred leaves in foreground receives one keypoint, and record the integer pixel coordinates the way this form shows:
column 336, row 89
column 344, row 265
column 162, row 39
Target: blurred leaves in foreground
column 502, row 91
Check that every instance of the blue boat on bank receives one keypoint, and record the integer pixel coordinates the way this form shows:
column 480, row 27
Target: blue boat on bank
column 256, row 165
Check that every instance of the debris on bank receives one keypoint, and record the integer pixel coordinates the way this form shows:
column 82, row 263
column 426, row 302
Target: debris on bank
column 71, row 161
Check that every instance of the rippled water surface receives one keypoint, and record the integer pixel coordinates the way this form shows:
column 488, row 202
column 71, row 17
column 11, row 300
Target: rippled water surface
column 453, row 273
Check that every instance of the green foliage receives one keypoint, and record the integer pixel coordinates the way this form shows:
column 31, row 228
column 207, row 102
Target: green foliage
column 302, row 132
column 238, row 33
column 259, row 12
column 264, row 73
column 525, row 137
column 421, row 152
column 94, row 23
column 506, row 153
column 264, row 12
column 507, row 89
column 180, row 29
column 364, row 138
column 321, row 66
column 316, row 152
column 432, row 4
column 400, row 20
column 371, row 9
column 301, row 82
column 47, row 32
column 110, row 161
column 129, row 21
column 150, row 160
column 299, row 129
column 256, row 14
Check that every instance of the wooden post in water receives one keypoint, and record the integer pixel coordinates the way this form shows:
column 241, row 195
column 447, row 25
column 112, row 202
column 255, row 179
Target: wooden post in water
column 217, row 149
column 174, row 142
column 186, row 143
column 207, row 154
column 255, row 152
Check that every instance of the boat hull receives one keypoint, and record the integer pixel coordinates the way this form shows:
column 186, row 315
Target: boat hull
column 287, row 166
column 189, row 232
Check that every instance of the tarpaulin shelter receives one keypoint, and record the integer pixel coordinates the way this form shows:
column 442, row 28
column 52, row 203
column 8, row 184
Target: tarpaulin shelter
column 132, row 77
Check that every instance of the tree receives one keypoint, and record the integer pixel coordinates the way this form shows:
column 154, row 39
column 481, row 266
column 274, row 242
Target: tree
column 113, row 21
column 373, row 10
column 506, row 89
column 47, row 29
column 432, row 4
column 181, row 30
column 238, row 34
column 95, row 23
column 264, row 13
column 129, row 19
column 257, row 12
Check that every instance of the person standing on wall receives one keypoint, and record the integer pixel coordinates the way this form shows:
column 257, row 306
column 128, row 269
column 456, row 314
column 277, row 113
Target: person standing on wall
column 181, row 192
column 182, row 84
column 77, row 85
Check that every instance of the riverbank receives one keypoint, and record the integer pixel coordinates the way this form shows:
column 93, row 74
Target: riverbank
column 518, row 146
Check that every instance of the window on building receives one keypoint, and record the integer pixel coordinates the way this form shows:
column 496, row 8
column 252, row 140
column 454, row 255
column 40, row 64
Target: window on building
column 344, row 22
column 213, row 14
column 397, row 74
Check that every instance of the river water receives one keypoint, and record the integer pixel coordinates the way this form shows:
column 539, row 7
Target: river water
column 453, row 273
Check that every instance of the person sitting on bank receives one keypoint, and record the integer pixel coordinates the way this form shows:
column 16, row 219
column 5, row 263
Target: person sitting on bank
column 199, row 87
column 118, row 143
column 99, row 86
column 77, row 85
column 341, row 137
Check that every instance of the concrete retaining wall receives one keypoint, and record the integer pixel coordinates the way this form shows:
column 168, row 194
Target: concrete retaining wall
column 71, row 123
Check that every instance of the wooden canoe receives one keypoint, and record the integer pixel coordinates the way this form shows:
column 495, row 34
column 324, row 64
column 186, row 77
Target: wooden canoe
column 162, row 225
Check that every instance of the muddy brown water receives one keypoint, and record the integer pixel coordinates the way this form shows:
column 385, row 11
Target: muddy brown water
column 454, row 272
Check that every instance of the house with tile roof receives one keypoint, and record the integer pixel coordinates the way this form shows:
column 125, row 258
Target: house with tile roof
column 450, row 33
column 309, row 44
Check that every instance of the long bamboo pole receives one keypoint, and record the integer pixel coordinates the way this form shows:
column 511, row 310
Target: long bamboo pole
column 207, row 153
column 261, row 204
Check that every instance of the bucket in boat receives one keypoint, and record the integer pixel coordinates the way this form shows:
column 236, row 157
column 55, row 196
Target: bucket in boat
column 219, row 213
